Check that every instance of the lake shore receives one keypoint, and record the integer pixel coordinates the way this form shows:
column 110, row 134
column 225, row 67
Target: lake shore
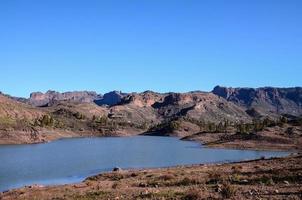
column 270, row 139
column 275, row 178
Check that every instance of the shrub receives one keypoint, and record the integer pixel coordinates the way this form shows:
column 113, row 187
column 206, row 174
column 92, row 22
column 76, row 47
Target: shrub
column 214, row 177
column 174, row 125
column 46, row 120
column 114, row 185
column 188, row 181
column 192, row 194
column 227, row 190
column 167, row 177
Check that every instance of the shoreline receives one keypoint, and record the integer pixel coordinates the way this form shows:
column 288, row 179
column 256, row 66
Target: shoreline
column 290, row 153
column 100, row 182
column 210, row 140
column 217, row 163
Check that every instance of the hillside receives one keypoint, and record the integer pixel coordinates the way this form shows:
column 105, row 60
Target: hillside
column 13, row 111
column 84, row 113
column 266, row 101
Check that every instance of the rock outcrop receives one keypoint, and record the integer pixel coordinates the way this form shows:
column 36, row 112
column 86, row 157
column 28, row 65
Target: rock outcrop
column 266, row 100
column 144, row 99
column 200, row 106
column 45, row 99
column 111, row 98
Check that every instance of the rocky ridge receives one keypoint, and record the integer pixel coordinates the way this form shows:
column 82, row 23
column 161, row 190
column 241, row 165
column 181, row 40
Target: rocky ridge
column 265, row 100
column 117, row 113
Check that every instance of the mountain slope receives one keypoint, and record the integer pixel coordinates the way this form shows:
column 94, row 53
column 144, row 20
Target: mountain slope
column 266, row 101
column 13, row 110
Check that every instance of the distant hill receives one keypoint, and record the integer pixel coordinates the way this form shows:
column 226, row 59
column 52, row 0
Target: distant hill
column 264, row 101
column 44, row 99
column 13, row 111
column 117, row 113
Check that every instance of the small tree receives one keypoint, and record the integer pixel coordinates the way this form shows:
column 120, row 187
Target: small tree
column 46, row 120
column 174, row 125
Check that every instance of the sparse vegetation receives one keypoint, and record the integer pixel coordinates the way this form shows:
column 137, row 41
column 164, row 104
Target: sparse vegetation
column 255, row 179
column 192, row 194
column 227, row 190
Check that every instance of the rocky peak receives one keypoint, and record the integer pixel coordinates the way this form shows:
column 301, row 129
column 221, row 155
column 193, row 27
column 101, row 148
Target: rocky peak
column 144, row 99
column 266, row 99
column 111, row 98
column 43, row 99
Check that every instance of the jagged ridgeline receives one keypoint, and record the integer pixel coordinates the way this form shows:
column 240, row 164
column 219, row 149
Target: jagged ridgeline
column 116, row 113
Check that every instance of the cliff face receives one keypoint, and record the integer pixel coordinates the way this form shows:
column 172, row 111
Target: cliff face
column 40, row 99
column 266, row 100
column 144, row 99
column 111, row 98
column 195, row 105
column 200, row 106
column 84, row 113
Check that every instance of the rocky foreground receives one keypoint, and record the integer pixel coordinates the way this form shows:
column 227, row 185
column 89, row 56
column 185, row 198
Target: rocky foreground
column 276, row 178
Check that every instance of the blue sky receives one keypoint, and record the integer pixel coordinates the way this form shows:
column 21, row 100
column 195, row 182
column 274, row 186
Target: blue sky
column 161, row 45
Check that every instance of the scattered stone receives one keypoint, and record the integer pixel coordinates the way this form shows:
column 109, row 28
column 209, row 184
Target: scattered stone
column 244, row 181
column 117, row 169
column 80, row 185
column 142, row 185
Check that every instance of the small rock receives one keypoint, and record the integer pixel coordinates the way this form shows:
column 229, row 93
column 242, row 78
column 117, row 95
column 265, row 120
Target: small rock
column 276, row 191
column 244, row 181
column 142, row 185
column 286, row 182
column 218, row 188
column 117, row 169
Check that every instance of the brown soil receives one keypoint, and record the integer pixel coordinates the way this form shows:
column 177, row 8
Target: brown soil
column 47, row 135
column 276, row 178
column 274, row 138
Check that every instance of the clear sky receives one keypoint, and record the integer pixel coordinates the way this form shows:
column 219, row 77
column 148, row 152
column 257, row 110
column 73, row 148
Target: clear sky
column 137, row 45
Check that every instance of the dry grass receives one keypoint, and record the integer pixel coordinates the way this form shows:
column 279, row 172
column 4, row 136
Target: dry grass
column 189, row 183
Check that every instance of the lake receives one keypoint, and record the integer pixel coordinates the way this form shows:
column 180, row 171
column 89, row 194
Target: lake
column 72, row 160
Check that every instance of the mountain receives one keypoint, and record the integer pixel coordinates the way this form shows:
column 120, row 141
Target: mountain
column 12, row 112
column 265, row 101
column 153, row 108
column 200, row 106
column 40, row 99
column 20, row 99
column 52, row 115
column 111, row 98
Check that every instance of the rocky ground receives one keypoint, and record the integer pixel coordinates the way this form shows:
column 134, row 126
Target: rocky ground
column 276, row 178
column 271, row 138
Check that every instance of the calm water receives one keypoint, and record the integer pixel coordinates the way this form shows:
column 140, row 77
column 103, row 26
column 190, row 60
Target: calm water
column 71, row 160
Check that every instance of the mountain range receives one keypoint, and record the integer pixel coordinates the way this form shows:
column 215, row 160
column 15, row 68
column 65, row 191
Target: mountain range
column 118, row 113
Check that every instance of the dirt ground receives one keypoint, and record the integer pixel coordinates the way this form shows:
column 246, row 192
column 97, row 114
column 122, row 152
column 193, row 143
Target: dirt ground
column 275, row 178
column 274, row 138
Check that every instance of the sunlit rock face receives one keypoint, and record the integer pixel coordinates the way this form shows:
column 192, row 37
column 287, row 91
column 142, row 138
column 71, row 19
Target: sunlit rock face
column 44, row 99
column 266, row 100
